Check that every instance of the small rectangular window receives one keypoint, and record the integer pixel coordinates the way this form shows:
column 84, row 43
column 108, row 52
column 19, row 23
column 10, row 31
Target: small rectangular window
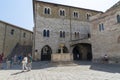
column 12, row 31
column 24, row 35
column 101, row 27
column 118, row 18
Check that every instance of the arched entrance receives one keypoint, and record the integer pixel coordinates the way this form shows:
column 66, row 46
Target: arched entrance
column 46, row 53
column 65, row 50
column 82, row 51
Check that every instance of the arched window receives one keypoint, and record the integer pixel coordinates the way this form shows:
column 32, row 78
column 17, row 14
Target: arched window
column 24, row 35
column 75, row 14
column 89, row 35
column 62, row 12
column 63, row 34
column 88, row 16
column 48, row 33
column 44, row 33
column 47, row 10
column 75, row 34
column 78, row 35
column 118, row 18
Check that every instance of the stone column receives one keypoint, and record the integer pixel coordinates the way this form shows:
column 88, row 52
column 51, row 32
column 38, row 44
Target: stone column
column 61, row 47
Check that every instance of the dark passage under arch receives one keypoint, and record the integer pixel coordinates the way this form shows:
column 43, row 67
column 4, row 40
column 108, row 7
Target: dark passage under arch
column 82, row 52
column 46, row 53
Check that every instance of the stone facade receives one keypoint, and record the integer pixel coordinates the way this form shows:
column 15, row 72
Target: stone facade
column 106, row 41
column 75, row 28
column 11, row 35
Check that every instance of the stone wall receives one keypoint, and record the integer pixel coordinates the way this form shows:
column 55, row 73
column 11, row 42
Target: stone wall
column 8, row 41
column 106, row 41
column 56, row 23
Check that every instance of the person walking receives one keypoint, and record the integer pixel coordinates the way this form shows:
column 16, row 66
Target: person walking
column 8, row 62
column 15, row 59
column 29, row 62
column 24, row 63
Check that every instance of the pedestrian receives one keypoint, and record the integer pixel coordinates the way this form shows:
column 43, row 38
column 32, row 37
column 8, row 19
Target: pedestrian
column 8, row 62
column 29, row 62
column 36, row 55
column 11, row 61
column 24, row 63
column 106, row 57
column 15, row 59
column 19, row 59
column 1, row 60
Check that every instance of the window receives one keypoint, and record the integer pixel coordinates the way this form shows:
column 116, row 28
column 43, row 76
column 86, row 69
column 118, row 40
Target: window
column 62, row 12
column 47, row 11
column 75, row 14
column 75, row 34
column 24, row 35
column 62, row 34
column 46, row 33
column 78, row 35
column 89, row 35
column 118, row 18
column 88, row 16
column 12, row 32
column 101, row 27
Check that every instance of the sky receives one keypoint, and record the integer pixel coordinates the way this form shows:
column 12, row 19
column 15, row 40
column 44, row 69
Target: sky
column 20, row 12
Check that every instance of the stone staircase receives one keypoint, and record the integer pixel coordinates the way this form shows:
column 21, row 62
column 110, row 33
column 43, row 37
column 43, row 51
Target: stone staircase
column 21, row 50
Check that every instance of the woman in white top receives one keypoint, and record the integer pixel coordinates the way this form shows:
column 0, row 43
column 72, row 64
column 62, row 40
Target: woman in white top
column 24, row 63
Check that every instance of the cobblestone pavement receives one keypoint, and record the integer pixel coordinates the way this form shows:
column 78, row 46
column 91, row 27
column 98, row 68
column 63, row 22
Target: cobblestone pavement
column 63, row 71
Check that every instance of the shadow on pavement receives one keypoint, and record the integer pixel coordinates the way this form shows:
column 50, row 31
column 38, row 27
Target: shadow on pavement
column 111, row 68
column 19, row 72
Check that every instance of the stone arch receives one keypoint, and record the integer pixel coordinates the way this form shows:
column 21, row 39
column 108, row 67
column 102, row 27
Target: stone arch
column 65, row 49
column 82, row 51
column 46, row 53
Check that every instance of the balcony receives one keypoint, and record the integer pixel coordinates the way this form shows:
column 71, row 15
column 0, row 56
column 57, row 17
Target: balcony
column 83, row 38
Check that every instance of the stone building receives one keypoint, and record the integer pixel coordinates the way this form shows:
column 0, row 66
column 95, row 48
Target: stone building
column 105, row 34
column 61, row 29
column 11, row 36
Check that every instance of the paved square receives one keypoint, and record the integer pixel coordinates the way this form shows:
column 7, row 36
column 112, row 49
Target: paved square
column 65, row 71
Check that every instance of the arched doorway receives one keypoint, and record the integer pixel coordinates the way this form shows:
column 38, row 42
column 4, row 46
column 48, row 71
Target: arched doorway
column 46, row 53
column 65, row 50
column 82, row 51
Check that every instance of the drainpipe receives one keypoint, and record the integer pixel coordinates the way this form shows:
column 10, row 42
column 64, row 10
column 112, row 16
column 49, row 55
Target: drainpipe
column 70, row 24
